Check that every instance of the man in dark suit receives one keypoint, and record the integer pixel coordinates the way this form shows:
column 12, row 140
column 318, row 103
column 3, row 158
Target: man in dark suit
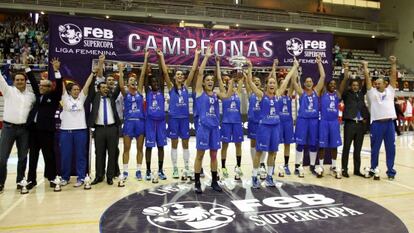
column 42, row 124
column 104, row 118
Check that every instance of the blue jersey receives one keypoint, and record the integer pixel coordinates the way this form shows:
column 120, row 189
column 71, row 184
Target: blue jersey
column 179, row 103
column 254, row 109
column 285, row 108
column 133, row 106
column 231, row 109
column 329, row 106
column 208, row 110
column 309, row 105
column 269, row 108
column 155, row 105
column 194, row 94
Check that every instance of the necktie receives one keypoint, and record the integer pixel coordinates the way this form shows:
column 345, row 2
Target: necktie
column 105, row 111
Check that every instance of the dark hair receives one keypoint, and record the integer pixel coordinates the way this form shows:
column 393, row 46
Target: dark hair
column 19, row 73
column 99, row 85
column 69, row 87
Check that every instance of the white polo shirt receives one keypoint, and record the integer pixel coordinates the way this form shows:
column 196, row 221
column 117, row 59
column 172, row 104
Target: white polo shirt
column 17, row 104
column 382, row 103
column 73, row 114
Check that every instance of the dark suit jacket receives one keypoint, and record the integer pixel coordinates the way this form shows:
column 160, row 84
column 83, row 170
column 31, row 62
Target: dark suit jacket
column 95, row 99
column 45, row 106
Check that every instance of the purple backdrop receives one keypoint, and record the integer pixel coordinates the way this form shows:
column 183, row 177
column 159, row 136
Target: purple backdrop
column 78, row 40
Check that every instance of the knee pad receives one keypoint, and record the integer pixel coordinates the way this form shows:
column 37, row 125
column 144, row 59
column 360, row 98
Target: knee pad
column 299, row 148
column 312, row 149
column 213, row 155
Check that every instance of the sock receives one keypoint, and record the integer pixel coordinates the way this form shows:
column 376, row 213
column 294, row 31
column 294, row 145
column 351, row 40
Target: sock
column 253, row 153
column 160, row 163
column 255, row 171
column 269, row 170
column 125, row 167
column 321, row 162
column 197, row 177
column 286, row 160
column 174, row 157
column 238, row 158
column 214, row 176
column 148, row 162
column 333, row 162
column 263, row 158
column 186, row 154
column 138, row 167
column 312, row 157
column 299, row 158
column 223, row 163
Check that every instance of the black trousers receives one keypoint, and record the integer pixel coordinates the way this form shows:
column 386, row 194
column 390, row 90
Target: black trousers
column 10, row 134
column 106, row 140
column 42, row 140
column 353, row 132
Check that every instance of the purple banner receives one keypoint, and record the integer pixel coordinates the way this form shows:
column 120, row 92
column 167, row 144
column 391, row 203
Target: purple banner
column 78, row 40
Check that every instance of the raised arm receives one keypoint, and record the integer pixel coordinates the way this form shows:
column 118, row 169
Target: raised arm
column 296, row 84
column 285, row 83
column 143, row 73
column 393, row 75
column 193, row 70
column 30, row 75
column 164, row 69
column 88, row 82
column 274, row 66
column 321, row 82
column 342, row 86
column 255, row 89
column 101, row 63
column 229, row 93
column 248, row 88
column 218, row 74
column 58, row 77
column 240, row 85
column 199, row 83
column 367, row 77
column 121, row 81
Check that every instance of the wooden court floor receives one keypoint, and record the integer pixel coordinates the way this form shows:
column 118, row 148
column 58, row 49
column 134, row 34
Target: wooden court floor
column 79, row 210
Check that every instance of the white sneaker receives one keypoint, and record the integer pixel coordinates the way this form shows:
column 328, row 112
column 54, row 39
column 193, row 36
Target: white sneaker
column 64, row 183
column 78, row 184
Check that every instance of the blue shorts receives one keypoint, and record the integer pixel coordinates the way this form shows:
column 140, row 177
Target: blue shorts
column 231, row 132
column 134, row 127
column 207, row 138
column 155, row 133
column 178, row 128
column 252, row 129
column 286, row 132
column 195, row 123
column 307, row 131
column 329, row 134
column 268, row 138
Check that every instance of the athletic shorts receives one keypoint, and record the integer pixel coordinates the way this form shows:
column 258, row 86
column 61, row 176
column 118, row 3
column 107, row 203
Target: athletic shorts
column 155, row 133
column 286, row 132
column 231, row 132
column 207, row 138
column 267, row 138
column 134, row 127
column 329, row 134
column 307, row 131
column 178, row 128
column 252, row 129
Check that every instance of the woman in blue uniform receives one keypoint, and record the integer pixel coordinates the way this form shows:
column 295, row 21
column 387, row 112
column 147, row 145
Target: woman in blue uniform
column 306, row 132
column 268, row 139
column 208, row 132
column 134, row 116
column 179, row 115
column 231, row 123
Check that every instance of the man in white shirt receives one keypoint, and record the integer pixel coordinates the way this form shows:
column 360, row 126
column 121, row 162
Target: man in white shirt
column 18, row 102
column 382, row 110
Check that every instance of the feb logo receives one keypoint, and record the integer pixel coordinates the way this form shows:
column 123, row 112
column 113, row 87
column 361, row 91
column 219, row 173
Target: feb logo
column 189, row 216
column 294, row 46
column 70, row 34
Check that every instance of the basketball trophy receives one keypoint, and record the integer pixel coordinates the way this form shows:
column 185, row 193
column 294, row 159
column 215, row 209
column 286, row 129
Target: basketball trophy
column 154, row 177
column 121, row 182
column 281, row 171
column 87, row 182
column 57, row 181
column 23, row 184
column 376, row 174
column 238, row 62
